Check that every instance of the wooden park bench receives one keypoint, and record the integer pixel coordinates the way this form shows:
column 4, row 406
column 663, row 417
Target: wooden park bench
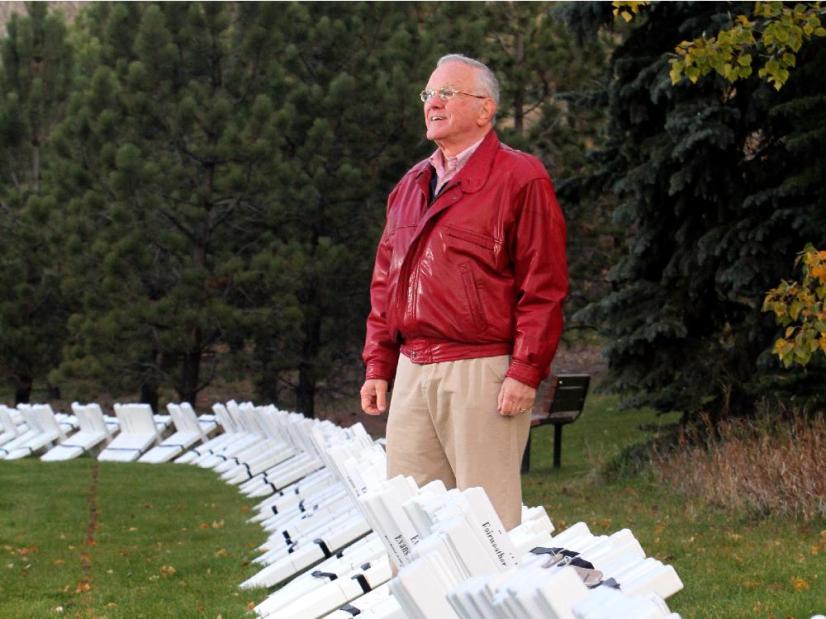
column 566, row 402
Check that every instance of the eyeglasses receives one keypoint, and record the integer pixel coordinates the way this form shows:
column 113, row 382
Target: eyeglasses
column 446, row 93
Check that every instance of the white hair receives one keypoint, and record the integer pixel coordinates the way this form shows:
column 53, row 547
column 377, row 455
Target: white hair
column 487, row 80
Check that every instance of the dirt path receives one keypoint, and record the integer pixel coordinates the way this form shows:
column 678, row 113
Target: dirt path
column 84, row 587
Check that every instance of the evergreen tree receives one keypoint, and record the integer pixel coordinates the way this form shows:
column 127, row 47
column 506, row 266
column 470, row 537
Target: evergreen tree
column 169, row 151
column 553, row 106
column 35, row 78
column 219, row 181
column 717, row 192
column 350, row 126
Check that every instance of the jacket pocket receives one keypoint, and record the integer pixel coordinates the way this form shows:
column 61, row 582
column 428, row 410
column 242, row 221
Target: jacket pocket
column 472, row 295
column 474, row 238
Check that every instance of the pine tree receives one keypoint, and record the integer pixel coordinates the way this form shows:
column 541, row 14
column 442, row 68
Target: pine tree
column 168, row 152
column 350, row 127
column 717, row 194
column 553, row 106
column 35, row 78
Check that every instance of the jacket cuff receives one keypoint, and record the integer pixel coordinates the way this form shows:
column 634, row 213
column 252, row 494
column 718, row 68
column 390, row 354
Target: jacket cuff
column 381, row 371
column 524, row 373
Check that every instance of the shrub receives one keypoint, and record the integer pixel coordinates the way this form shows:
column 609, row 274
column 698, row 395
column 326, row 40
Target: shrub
column 771, row 465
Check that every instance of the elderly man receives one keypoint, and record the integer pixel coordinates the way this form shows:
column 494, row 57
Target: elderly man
column 468, row 285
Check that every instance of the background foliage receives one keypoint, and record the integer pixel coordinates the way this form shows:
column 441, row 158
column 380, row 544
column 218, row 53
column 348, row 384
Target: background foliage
column 192, row 192
column 719, row 187
column 198, row 188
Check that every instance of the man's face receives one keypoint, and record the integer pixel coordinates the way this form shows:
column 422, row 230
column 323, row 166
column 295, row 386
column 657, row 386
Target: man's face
column 456, row 121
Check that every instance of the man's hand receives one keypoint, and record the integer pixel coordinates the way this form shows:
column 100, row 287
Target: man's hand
column 374, row 396
column 515, row 398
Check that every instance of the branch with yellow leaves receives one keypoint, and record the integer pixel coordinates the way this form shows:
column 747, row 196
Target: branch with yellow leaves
column 800, row 306
column 768, row 41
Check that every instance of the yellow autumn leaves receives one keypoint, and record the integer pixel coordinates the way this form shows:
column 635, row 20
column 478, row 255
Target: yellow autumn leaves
column 800, row 306
column 768, row 40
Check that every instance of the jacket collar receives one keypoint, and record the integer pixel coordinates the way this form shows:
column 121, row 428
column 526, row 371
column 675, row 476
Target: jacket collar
column 475, row 172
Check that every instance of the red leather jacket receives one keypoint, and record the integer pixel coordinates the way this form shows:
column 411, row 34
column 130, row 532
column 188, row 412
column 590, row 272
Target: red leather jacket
column 479, row 272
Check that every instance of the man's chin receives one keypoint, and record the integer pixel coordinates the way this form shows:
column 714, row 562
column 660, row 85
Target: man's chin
column 435, row 136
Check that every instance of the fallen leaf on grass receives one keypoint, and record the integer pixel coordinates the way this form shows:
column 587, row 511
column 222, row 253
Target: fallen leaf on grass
column 800, row 584
column 27, row 550
column 245, row 509
column 58, row 562
column 168, row 570
column 221, row 552
column 83, row 586
column 820, row 546
column 111, row 605
column 203, row 525
column 250, row 605
column 217, row 524
column 58, row 609
column 132, row 529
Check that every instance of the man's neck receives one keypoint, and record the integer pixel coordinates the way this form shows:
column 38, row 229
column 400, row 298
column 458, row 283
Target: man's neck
column 451, row 149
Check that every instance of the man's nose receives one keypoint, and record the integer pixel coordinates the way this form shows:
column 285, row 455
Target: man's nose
column 434, row 103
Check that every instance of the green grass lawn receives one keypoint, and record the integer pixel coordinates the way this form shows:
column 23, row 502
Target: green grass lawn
column 87, row 539
column 149, row 541
column 731, row 565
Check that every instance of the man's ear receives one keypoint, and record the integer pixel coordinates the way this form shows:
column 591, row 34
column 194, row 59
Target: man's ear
column 486, row 113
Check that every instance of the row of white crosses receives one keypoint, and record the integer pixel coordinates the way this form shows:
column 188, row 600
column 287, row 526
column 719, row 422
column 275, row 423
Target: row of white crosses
column 338, row 530
column 457, row 560
column 134, row 433
column 30, row 429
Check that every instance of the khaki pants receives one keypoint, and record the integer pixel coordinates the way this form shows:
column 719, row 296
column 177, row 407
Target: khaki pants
column 443, row 424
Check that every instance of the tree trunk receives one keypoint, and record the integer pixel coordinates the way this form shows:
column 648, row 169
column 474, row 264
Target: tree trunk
column 519, row 95
column 305, row 393
column 23, row 389
column 191, row 373
column 53, row 392
column 149, row 393
column 267, row 388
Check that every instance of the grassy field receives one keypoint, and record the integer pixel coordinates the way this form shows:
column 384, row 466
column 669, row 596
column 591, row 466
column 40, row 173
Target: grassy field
column 732, row 565
column 88, row 539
